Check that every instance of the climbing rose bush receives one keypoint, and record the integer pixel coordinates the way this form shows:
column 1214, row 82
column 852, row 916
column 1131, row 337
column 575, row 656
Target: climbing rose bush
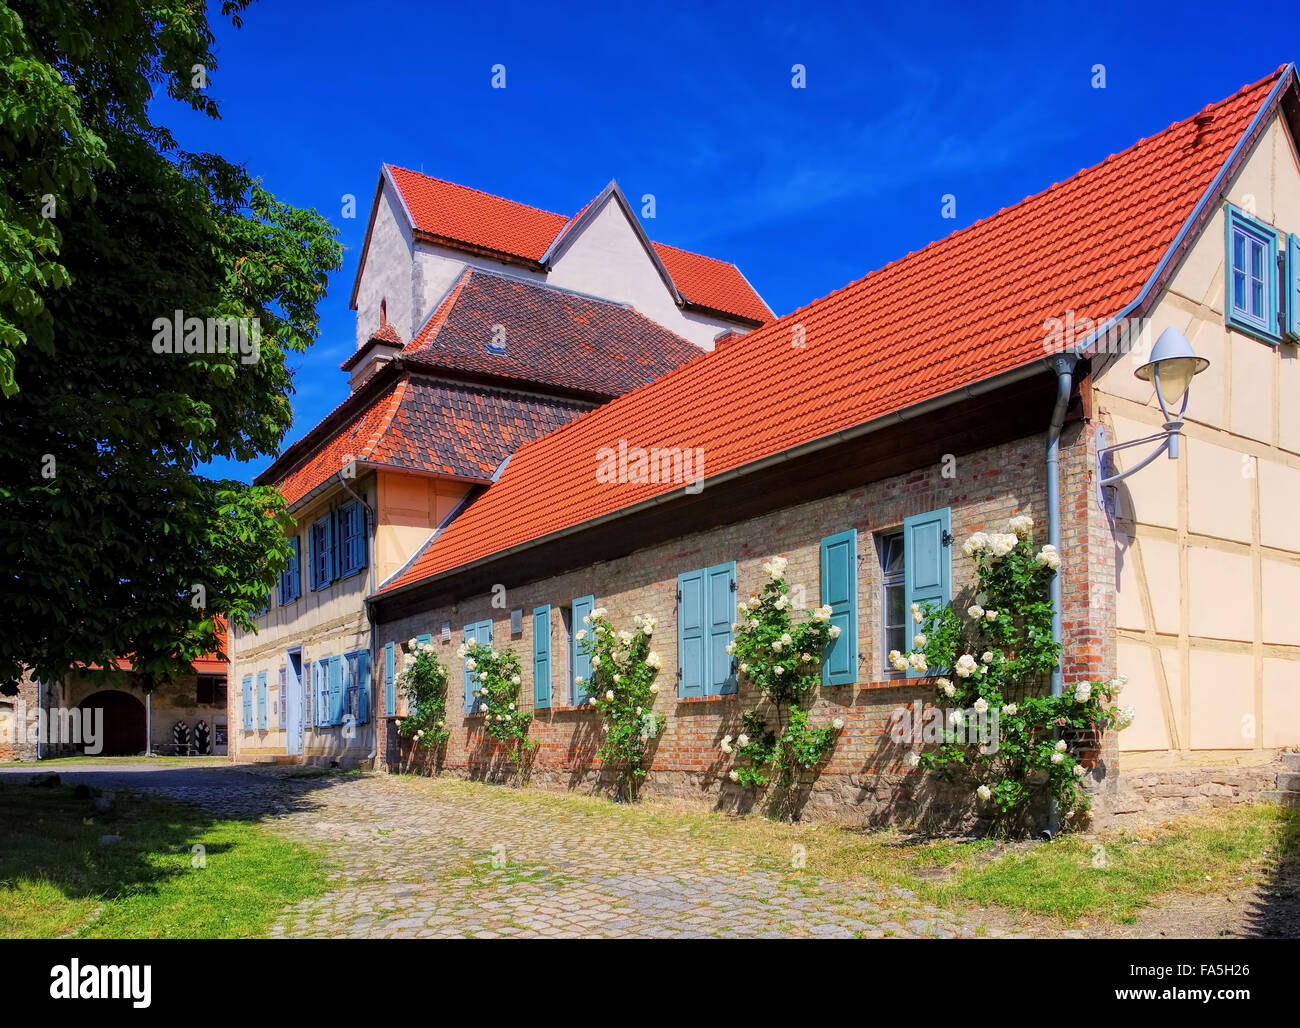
column 424, row 680
column 781, row 655
column 999, row 647
column 623, row 691
column 496, row 694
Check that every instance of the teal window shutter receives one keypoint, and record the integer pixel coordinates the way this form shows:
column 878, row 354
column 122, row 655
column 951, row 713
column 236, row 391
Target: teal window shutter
column 691, row 651
column 336, row 690
column 839, row 558
column 927, row 560
column 1293, row 286
column 542, row 656
column 246, row 694
column 290, row 581
column 390, row 679
column 580, row 662
column 261, row 701
column 720, row 582
column 363, row 687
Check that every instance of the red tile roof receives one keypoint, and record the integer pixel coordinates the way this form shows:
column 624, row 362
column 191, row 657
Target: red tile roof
column 481, row 221
column 960, row 310
column 552, row 337
column 422, row 424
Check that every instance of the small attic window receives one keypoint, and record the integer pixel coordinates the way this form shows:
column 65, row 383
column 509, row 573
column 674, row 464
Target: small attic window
column 1252, row 280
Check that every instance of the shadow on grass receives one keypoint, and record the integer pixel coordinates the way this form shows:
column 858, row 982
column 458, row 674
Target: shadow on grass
column 148, row 866
column 1275, row 913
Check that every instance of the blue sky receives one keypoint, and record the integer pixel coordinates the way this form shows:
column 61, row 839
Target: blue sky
column 804, row 189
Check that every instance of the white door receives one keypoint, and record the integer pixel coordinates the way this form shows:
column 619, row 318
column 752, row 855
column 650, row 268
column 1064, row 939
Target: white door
column 292, row 700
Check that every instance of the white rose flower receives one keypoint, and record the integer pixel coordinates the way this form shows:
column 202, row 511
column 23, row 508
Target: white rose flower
column 515, row 679
column 654, row 688
column 987, row 657
column 648, row 630
column 834, row 631
column 591, row 701
column 411, row 643
column 1022, row 525
column 744, row 669
column 470, row 663
column 786, row 640
column 1002, row 543
column 580, row 634
column 778, row 670
column 919, row 640
column 731, row 647
column 917, row 614
column 1057, row 757
column 958, row 717
column 977, row 543
column 990, row 615
column 985, row 793
column 776, row 646
column 981, row 705
column 918, row 662
column 1083, row 692
column 914, row 759
column 595, row 661
column 652, row 659
column 947, row 686
column 1077, row 771
column 1060, row 746
column 838, row 724
column 726, row 744
column 742, row 740
column 1048, row 557
column 1123, row 717
column 974, row 612
column 1010, row 709
column 965, row 666
column 734, row 775
column 625, row 637
column 609, row 695
column 578, row 679
column 742, row 606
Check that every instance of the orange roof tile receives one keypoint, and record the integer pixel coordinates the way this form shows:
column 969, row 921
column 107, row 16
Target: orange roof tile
column 962, row 309
column 481, row 220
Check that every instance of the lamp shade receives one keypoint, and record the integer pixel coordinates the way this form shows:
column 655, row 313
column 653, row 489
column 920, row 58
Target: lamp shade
column 1171, row 366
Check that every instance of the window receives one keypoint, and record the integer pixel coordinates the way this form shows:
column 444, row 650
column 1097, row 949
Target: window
column 706, row 610
column 279, row 704
column 356, row 687
column 1252, row 301
column 321, row 544
column 351, row 538
column 290, row 579
column 542, row 656
column 328, row 686
column 210, row 691
column 478, row 632
column 893, row 603
column 579, row 659
column 839, row 567
column 307, row 693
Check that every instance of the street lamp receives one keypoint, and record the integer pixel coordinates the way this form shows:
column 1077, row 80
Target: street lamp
column 1171, row 367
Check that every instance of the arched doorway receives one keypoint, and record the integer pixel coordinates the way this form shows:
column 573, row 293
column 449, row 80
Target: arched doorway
column 123, row 721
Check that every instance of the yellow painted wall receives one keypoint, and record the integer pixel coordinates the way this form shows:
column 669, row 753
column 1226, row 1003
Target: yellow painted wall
column 1208, row 549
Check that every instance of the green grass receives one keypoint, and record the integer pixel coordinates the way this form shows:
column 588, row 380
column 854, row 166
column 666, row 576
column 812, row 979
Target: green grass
column 155, row 761
column 1198, row 854
column 57, row 879
column 1116, row 874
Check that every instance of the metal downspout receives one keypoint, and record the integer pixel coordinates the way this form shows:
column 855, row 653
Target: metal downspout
column 1063, row 365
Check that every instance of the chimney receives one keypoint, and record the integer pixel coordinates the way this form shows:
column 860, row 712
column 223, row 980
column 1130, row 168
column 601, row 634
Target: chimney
column 382, row 346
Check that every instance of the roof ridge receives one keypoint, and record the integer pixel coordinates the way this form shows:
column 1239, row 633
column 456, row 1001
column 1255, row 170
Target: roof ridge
column 472, row 189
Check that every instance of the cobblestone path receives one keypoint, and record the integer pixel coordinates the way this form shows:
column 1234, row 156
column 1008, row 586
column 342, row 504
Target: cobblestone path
column 412, row 860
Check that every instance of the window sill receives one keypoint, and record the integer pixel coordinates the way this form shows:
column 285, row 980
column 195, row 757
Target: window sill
column 1262, row 335
column 724, row 698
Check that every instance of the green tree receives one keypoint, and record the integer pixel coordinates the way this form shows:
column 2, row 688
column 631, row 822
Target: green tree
column 111, row 543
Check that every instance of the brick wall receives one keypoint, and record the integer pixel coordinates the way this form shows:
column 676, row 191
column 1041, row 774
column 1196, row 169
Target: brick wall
column 866, row 779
